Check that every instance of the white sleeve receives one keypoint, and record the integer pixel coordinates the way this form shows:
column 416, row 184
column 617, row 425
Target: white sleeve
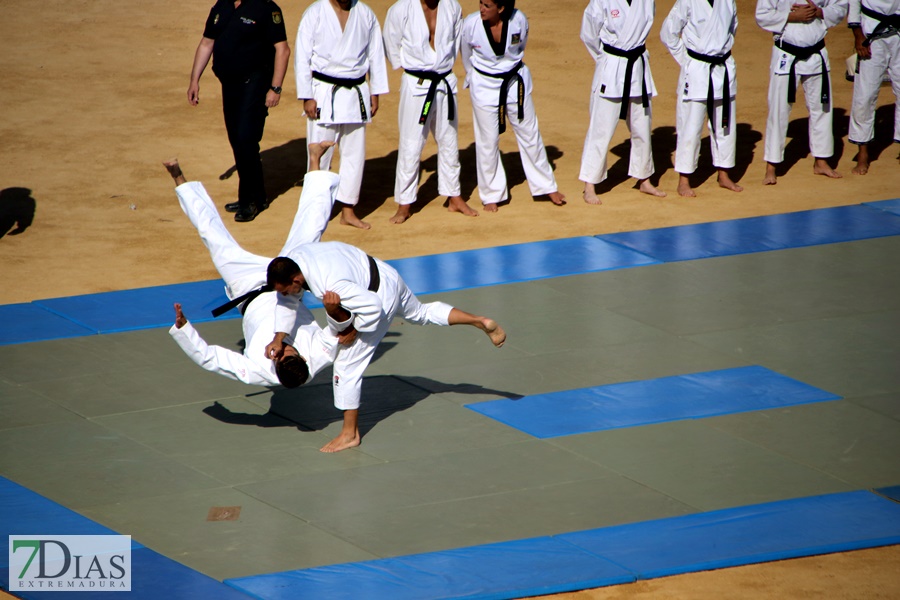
column 670, row 33
column 854, row 13
column 378, row 79
column 591, row 24
column 286, row 313
column 465, row 50
column 772, row 15
column 394, row 25
column 365, row 306
column 834, row 12
column 215, row 358
column 303, row 50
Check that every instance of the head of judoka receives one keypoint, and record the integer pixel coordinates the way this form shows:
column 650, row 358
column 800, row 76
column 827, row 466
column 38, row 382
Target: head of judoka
column 290, row 368
column 494, row 11
column 284, row 276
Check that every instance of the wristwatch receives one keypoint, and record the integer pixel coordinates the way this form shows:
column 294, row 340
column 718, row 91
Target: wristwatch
column 276, row 89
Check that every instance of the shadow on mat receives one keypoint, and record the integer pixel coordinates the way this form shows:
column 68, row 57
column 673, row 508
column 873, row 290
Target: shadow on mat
column 311, row 407
column 283, row 168
column 17, row 209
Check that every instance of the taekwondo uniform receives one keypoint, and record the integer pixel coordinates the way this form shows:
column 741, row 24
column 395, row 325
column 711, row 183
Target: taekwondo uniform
column 700, row 35
column 372, row 291
column 614, row 32
column 500, row 83
column 244, row 272
column 799, row 52
column 330, row 66
column 427, row 92
column 880, row 22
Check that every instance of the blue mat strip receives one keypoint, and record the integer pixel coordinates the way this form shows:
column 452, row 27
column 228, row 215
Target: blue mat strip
column 636, row 403
column 890, row 492
column 891, row 206
column 725, row 538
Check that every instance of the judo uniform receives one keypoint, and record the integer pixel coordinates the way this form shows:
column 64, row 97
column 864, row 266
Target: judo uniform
column 491, row 78
column 614, row 32
column 799, row 54
column 244, row 272
column 330, row 66
column 700, row 38
column 426, row 105
column 348, row 271
column 883, row 35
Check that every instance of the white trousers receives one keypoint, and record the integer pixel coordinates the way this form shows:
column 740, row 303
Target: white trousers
column 244, row 271
column 489, row 168
column 604, row 120
column 821, row 137
column 885, row 59
column 689, row 118
column 412, row 141
column 351, row 137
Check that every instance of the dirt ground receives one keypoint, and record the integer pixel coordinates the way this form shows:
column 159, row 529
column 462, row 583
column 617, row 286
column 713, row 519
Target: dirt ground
column 94, row 97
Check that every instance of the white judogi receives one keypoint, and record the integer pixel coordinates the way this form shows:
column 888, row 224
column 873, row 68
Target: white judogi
column 407, row 45
column 484, row 91
column 772, row 15
column 353, row 53
column 618, row 24
column 709, row 30
column 243, row 272
column 870, row 73
column 344, row 269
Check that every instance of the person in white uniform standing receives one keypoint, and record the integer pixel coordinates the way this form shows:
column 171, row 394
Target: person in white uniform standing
column 876, row 32
column 422, row 38
column 615, row 33
column 799, row 53
column 373, row 293
column 311, row 347
column 700, row 35
column 338, row 44
column 492, row 47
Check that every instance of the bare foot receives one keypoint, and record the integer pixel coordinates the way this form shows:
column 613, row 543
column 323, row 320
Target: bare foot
column 557, row 198
column 648, row 188
column 822, row 167
column 457, row 204
column 341, row 442
column 494, row 331
column 726, row 182
column 174, row 170
column 315, row 153
column 401, row 215
column 862, row 160
column 348, row 217
column 770, row 178
column 492, row 207
column 684, row 187
column 590, row 194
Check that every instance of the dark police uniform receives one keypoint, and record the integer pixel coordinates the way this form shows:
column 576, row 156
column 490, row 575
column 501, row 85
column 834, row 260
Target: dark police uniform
column 244, row 61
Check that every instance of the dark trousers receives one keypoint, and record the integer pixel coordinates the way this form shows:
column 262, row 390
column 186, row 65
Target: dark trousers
column 244, row 106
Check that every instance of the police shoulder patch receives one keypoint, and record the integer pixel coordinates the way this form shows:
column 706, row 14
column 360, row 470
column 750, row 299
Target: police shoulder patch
column 276, row 18
column 516, row 38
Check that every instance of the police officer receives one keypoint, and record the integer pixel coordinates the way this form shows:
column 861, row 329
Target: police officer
column 248, row 44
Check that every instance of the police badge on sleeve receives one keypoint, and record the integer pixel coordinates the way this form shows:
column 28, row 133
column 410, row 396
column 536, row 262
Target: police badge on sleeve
column 276, row 18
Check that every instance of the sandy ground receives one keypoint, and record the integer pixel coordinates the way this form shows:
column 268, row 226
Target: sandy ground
column 94, row 99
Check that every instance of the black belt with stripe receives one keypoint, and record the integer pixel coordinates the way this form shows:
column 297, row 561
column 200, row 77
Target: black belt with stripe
column 344, row 82
column 243, row 300
column 631, row 56
column 508, row 77
column 802, row 53
column 435, row 78
column 885, row 22
column 713, row 60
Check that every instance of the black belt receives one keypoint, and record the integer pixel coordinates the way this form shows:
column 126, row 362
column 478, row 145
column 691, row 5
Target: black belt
column 435, row 78
column 632, row 56
column 507, row 78
column 713, row 60
column 885, row 22
column 246, row 299
column 802, row 53
column 374, row 276
column 343, row 82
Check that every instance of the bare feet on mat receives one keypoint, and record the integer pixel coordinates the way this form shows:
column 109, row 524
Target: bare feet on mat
column 822, row 167
column 726, row 182
column 862, row 161
column 684, row 187
column 590, row 194
column 457, row 204
column 348, row 217
column 557, row 198
column 491, row 207
column 401, row 215
column 343, row 441
column 648, row 188
column 770, row 177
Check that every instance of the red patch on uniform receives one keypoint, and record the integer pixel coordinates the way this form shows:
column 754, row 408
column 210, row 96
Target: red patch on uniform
column 614, row 13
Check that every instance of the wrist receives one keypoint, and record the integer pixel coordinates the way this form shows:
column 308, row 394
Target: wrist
column 276, row 89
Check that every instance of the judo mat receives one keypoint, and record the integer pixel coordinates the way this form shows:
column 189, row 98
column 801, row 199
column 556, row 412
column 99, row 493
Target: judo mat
column 120, row 432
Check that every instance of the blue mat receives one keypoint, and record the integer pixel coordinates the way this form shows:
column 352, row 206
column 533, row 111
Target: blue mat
column 28, row 322
column 651, row 401
column 890, row 492
column 747, row 535
column 759, row 234
column 891, row 206
column 516, row 263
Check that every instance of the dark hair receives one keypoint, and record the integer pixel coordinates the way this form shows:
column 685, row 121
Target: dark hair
column 292, row 371
column 281, row 270
column 508, row 6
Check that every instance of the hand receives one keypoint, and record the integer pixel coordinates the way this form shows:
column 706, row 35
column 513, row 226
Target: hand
column 180, row 319
column 373, row 102
column 331, row 301
column 275, row 349
column 193, row 93
column 309, row 107
column 272, row 99
column 802, row 13
column 859, row 38
column 347, row 336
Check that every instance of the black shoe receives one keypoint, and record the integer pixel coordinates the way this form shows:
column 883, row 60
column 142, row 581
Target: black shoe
column 245, row 215
column 232, row 207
